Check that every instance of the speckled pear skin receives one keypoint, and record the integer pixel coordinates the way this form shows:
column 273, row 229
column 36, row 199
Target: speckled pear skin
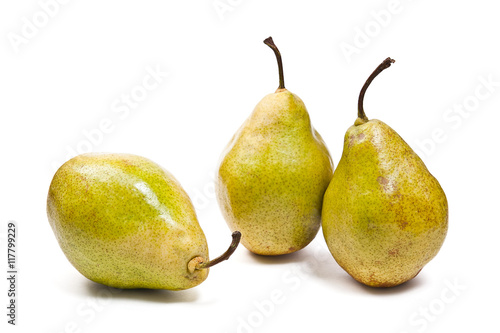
column 125, row 222
column 384, row 215
column 272, row 177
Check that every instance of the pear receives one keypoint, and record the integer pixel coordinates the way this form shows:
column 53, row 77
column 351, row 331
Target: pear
column 384, row 215
column 273, row 174
column 125, row 222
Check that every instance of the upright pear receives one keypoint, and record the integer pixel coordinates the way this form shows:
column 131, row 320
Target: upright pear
column 384, row 215
column 125, row 222
column 273, row 174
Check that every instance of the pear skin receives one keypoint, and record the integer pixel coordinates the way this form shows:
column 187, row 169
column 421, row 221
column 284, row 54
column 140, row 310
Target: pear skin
column 272, row 176
column 125, row 222
column 384, row 215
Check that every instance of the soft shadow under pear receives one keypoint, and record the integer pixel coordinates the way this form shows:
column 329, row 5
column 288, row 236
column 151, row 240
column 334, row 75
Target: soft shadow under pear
column 100, row 291
column 294, row 257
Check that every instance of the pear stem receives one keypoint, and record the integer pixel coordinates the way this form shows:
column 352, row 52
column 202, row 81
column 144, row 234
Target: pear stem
column 361, row 112
column 269, row 42
column 200, row 263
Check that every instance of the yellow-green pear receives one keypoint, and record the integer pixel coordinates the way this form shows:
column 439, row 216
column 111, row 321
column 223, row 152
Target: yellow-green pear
column 125, row 222
column 273, row 174
column 384, row 215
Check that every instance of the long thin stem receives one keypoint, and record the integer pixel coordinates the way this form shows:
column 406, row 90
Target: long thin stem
column 199, row 263
column 269, row 42
column 385, row 64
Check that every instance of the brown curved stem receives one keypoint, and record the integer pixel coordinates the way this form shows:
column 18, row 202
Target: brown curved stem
column 385, row 64
column 200, row 263
column 269, row 42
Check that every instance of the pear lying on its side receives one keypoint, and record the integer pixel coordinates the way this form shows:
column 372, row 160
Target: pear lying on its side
column 125, row 222
column 384, row 215
column 273, row 174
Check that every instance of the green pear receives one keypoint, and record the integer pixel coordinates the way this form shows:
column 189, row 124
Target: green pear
column 273, row 174
column 125, row 222
column 384, row 215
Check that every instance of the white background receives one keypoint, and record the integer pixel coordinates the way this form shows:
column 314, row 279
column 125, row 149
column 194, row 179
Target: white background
column 69, row 75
